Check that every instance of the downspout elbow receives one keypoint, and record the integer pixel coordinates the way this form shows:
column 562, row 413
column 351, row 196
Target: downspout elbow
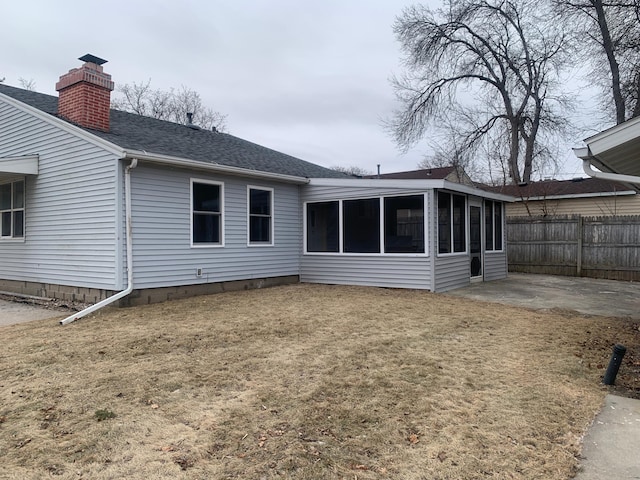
column 129, row 246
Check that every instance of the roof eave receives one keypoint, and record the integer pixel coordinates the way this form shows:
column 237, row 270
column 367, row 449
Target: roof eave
column 179, row 162
column 410, row 184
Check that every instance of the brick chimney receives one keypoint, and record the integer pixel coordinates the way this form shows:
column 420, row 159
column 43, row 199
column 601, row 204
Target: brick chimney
column 85, row 94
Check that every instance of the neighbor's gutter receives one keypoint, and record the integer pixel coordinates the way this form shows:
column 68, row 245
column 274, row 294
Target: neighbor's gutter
column 616, row 177
column 124, row 293
column 585, row 154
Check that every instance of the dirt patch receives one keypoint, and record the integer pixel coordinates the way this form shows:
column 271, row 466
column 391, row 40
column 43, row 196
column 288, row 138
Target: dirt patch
column 307, row 382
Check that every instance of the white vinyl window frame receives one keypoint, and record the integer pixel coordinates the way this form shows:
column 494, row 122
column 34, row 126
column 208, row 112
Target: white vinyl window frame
column 13, row 212
column 382, row 252
column 452, row 242
column 494, row 204
column 221, row 214
column 271, row 216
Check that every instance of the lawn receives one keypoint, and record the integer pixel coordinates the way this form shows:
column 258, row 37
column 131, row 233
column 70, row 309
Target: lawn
column 305, row 382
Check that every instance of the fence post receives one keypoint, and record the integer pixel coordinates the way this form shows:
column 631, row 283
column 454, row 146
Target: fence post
column 579, row 252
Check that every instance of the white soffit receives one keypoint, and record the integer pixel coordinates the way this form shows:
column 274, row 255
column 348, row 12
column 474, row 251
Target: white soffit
column 27, row 165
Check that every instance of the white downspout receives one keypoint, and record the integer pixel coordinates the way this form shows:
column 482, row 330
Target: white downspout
column 124, row 293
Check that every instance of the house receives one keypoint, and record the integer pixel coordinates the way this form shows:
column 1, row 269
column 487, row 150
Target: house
column 579, row 196
column 95, row 201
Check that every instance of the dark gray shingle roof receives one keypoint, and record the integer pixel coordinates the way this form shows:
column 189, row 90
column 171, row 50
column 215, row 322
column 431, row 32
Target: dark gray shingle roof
column 135, row 132
column 547, row 188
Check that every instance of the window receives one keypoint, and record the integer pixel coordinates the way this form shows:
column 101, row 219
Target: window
column 404, row 224
column 451, row 223
column 361, row 224
column 207, row 208
column 493, row 225
column 322, row 227
column 260, row 216
column 12, row 209
column 369, row 225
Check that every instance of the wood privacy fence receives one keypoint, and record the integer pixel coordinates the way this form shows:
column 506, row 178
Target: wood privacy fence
column 598, row 247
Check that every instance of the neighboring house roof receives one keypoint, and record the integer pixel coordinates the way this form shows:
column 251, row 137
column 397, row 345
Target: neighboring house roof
column 451, row 173
column 136, row 132
column 426, row 173
column 558, row 189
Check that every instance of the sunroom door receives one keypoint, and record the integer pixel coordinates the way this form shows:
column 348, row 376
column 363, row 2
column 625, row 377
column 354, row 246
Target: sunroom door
column 475, row 241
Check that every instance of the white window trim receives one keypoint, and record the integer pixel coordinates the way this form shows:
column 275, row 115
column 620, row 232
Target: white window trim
column 271, row 242
column 466, row 227
column 502, row 230
column 222, row 214
column 382, row 253
column 11, row 238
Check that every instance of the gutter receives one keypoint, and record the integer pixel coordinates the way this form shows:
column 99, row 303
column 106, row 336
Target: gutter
column 617, row 177
column 129, row 289
column 585, row 154
column 215, row 167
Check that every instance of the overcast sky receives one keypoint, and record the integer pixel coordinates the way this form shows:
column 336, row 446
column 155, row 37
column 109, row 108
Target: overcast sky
column 310, row 79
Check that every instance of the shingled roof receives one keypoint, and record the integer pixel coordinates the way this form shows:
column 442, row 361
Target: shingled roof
column 136, row 132
column 439, row 173
column 562, row 188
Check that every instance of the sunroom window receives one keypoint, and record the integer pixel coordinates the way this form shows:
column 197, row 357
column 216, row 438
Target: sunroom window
column 451, row 223
column 323, row 227
column 404, row 224
column 493, row 225
column 387, row 225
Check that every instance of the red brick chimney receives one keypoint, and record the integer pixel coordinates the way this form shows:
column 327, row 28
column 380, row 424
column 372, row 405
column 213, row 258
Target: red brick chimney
column 85, row 94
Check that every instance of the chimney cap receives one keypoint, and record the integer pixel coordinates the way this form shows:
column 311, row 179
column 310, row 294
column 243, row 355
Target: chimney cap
column 92, row 59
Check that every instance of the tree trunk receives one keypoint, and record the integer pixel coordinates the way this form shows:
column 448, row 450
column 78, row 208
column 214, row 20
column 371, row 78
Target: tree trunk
column 609, row 49
column 514, row 148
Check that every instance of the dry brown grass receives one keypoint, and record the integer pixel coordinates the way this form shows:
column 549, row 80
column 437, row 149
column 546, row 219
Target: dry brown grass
column 304, row 382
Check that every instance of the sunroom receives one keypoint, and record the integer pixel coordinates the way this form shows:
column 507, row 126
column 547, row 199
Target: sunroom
column 425, row 234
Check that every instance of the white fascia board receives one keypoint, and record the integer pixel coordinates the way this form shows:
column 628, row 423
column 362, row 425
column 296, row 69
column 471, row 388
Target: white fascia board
column 63, row 125
column 613, row 137
column 377, row 183
column 409, row 184
column 478, row 192
column 25, row 165
column 211, row 167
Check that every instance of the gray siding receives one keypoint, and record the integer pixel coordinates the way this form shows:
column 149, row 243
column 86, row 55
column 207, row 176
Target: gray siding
column 495, row 265
column 397, row 271
column 70, row 209
column 378, row 271
column 452, row 271
column 163, row 255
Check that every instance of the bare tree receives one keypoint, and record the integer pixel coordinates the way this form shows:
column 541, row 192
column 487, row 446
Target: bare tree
column 172, row 105
column 609, row 33
column 352, row 170
column 488, row 67
column 27, row 84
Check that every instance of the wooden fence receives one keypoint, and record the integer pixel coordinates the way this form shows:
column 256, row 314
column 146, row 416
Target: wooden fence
column 598, row 247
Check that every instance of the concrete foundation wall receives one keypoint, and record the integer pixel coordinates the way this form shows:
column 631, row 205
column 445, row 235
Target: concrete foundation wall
column 137, row 297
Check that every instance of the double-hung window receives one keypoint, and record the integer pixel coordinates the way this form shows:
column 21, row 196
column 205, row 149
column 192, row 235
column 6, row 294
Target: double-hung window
column 12, row 209
column 207, row 207
column 493, row 225
column 451, row 223
column 260, row 222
